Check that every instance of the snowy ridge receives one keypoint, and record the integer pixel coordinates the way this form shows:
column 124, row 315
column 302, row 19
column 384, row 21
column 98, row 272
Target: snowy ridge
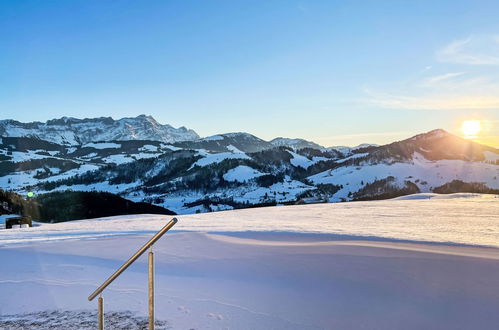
column 74, row 131
column 244, row 142
column 294, row 143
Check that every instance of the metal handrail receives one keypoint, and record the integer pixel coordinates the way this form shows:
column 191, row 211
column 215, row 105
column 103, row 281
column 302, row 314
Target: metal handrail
column 133, row 258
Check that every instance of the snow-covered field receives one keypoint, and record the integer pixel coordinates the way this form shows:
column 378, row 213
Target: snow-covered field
column 362, row 265
column 463, row 219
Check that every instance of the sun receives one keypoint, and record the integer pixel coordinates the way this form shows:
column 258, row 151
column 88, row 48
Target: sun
column 471, row 128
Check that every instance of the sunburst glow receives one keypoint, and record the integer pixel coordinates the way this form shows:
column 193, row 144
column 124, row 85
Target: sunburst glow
column 471, row 128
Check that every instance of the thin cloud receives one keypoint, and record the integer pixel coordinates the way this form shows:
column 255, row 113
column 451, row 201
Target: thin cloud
column 436, row 79
column 449, row 91
column 447, row 102
column 475, row 50
column 470, row 89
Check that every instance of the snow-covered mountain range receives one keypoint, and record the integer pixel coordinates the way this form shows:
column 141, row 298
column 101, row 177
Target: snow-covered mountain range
column 234, row 170
column 72, row 131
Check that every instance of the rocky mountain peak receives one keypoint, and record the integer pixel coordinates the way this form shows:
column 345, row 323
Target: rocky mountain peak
column 74, row 131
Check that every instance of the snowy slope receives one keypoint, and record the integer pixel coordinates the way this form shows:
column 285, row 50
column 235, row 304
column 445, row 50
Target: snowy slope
column 213, row 158
column 417, row 218
column 241, row 174
column 426, row 174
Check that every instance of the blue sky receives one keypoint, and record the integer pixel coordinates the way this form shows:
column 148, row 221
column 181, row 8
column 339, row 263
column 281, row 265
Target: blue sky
column 336, row 72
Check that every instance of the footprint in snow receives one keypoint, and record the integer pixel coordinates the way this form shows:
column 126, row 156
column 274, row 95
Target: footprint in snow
column 215, row 316
column 183, row 309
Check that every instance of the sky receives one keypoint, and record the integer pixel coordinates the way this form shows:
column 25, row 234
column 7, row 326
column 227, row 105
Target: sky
column 335, row 72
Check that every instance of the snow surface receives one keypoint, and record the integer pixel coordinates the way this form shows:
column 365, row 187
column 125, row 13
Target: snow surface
column 90, row 155
column 347, row 150
column 302, row 161
column 414, row 219
column 76, row 171
column 213, row 138
column 234, row 149
column 149, row 148
column 323, row 266
column 169, row 146
column 352, row 157
column 441, row 196
column 128, row 158
column 18, row 156
column 217, row 158
column 299, row 160
column 241, row 173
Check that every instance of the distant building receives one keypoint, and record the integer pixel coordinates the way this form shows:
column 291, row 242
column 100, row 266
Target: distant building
column 17, row 220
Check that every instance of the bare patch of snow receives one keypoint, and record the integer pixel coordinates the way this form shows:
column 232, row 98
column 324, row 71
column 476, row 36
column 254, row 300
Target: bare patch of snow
column 213, row 138
column 230, row 147
column 241, row 173
column 148, row 147
column 300, row 161
column 218, row 157
column 102, row 145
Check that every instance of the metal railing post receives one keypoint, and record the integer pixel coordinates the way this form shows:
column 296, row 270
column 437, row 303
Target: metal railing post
column 148, row 245
column 100, row 312
column 151, row 290
column 133, row 258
